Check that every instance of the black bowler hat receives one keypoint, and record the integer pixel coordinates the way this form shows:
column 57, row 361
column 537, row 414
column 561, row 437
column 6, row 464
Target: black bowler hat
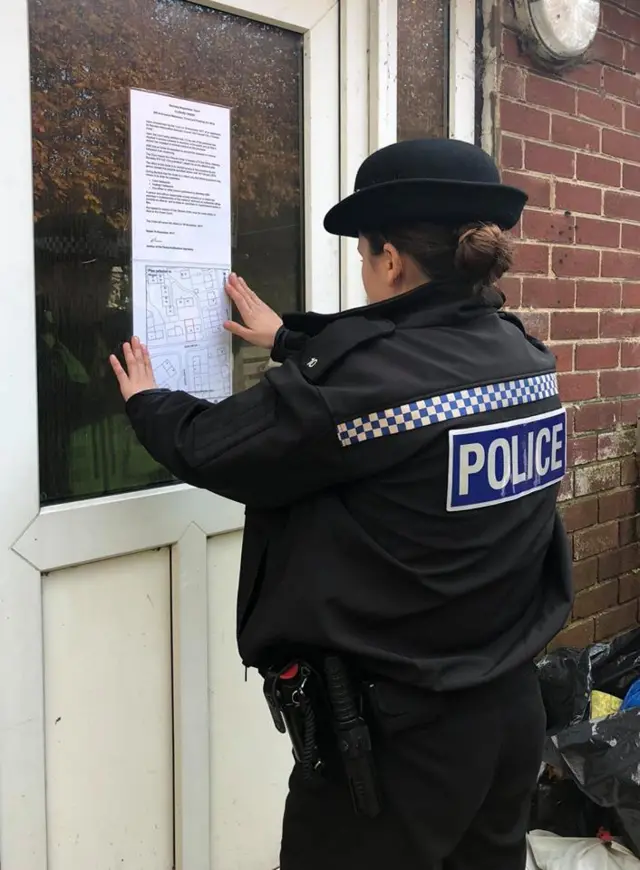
column 439, row 181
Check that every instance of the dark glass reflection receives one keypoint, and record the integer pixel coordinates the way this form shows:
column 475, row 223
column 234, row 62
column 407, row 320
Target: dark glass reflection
column 423, row 60
column 85, row 56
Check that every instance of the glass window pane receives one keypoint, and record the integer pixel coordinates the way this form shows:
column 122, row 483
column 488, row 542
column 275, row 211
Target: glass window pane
column 85, row 57
column 423, row 61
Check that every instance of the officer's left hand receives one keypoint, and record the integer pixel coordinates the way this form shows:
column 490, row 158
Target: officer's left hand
column 139, row 372
column 259, row 322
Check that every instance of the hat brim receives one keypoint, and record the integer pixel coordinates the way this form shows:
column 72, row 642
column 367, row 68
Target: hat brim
column 438, row 201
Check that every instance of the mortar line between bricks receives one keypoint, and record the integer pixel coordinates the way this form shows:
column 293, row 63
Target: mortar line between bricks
column 572, row 149
column 562, row 113
column 580, row 119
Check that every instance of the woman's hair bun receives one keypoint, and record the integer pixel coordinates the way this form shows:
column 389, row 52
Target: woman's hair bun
column 483, row 253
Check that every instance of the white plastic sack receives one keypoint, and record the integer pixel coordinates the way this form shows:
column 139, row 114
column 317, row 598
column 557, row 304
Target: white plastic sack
column 550, row 852
column 531, row 861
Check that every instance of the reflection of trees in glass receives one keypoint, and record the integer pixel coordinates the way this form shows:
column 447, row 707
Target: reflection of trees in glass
column 422, row 68
column 85, row 56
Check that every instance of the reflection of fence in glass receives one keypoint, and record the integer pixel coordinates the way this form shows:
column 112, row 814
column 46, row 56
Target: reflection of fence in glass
column 251, row 364
column 85, row 57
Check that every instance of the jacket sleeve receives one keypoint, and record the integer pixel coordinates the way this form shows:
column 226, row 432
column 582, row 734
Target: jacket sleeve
column 265, row 447
column 287, row 343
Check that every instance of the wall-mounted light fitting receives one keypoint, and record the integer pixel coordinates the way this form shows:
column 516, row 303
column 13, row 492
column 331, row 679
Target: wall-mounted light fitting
column 558, row 32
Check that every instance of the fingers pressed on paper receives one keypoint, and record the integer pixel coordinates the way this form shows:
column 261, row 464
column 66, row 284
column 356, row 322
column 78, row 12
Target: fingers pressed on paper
column 242, row 304
column 147, row 359
column 233, row 283
column 129, row 358
column 137, row 349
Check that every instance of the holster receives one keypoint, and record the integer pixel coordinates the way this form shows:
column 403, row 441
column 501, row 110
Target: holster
column 300, row 697
column 290, row 692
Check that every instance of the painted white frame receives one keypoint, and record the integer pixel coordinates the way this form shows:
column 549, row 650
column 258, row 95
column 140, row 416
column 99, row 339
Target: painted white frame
column 355, row 107
column 490, row 67
column 383, row 99
column 368, row 108
column 23, row 837
column 462, row 70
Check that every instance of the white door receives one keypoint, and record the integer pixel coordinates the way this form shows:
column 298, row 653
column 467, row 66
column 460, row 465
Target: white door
column 128, row 734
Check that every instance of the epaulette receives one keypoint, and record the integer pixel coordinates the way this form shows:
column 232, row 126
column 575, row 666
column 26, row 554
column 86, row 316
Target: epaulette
column 511, row 318
column 337, row 340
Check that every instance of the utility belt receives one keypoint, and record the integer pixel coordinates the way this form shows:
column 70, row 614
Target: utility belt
column 303, row 701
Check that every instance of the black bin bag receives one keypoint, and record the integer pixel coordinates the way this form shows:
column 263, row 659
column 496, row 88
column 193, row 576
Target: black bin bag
column 566, row 682
column 616, row 665
column 600, row 757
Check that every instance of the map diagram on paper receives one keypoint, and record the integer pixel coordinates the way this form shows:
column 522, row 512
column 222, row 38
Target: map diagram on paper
column 186, row 307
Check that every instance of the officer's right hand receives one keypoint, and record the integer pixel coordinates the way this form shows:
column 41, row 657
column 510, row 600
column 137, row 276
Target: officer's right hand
column 259, row 323
column 137, row 376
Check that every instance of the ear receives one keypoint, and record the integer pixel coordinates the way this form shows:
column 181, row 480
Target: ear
column 393, row 263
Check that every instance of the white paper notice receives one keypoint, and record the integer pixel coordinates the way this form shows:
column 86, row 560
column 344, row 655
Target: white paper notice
column 181, row 240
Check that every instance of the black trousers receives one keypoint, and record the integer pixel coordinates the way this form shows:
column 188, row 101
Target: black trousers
column 456, row 771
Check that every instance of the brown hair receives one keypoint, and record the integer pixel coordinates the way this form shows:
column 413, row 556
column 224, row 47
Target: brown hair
column 478, row 253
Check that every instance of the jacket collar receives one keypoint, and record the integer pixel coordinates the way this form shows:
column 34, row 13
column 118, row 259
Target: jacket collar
column 431, row 304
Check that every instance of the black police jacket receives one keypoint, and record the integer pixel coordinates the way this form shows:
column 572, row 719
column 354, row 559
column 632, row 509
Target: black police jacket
column 400, row 473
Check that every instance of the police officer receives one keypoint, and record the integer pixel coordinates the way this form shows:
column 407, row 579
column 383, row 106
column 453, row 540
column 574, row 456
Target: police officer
column 400, row 472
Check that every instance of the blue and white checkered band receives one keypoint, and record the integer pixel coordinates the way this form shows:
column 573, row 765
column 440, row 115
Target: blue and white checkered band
column 439, row 409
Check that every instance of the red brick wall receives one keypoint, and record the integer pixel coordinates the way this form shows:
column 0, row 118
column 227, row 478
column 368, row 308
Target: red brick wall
column 573, row 142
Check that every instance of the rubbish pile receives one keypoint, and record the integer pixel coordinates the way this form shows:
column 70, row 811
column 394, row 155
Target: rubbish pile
column 586, row 812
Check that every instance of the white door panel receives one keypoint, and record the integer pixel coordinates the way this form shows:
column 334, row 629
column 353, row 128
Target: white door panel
column 108, row 722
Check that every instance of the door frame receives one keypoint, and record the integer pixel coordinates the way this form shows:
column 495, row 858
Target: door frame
column 463, row 57
column 359, row 69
